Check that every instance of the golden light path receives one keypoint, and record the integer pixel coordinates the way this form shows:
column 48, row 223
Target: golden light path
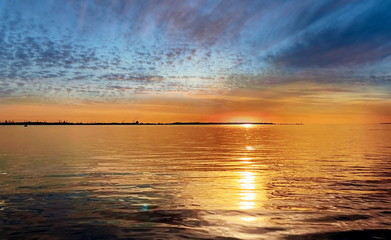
column 247, row 195
column 247, row 181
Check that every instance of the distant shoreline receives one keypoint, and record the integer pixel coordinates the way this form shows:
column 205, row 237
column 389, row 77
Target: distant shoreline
column 137, row 123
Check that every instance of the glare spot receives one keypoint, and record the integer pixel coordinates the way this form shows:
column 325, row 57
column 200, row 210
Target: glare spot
column 249, row 148
column 246, row 160
column 248, row 219
column 144, row 207
column 248, row 186
column 247, row 205
column 248, row 196
column 247, row 125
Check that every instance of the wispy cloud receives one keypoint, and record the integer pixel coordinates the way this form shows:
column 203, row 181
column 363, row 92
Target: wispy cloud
column 101, row 49
column 362, row 39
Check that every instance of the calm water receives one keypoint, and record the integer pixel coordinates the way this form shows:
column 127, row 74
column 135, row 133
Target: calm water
column 195, row 182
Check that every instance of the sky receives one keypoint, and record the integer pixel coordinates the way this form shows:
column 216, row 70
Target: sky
column 196, row 60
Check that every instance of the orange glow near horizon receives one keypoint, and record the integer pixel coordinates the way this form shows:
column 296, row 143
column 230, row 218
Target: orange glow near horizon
column 239, row 117
column 245, row 106
column 129, row 113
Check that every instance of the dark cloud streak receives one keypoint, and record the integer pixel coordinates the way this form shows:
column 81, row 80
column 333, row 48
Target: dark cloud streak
column 364, row 40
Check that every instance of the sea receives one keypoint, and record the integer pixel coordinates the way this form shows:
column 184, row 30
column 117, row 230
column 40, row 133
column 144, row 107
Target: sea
column 195, row 182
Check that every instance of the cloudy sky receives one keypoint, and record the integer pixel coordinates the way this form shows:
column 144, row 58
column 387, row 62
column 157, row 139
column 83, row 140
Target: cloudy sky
column 196, row 60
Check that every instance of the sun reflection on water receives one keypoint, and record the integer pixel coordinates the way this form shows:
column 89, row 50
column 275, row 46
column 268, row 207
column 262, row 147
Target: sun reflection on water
column 247, row 194
column 250, row 182
column 248, row 219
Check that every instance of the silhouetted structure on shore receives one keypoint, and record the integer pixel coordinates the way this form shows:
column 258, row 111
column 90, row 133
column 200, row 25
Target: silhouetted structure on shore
column 26, row 123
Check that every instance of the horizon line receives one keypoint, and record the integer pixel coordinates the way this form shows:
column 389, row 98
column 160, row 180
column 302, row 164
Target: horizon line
column 139, row 123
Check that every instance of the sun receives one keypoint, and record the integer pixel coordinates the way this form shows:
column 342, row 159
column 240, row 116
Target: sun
column 247, row 125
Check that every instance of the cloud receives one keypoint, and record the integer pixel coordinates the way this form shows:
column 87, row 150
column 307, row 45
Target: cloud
column 80, row 48
column 126, row 77
column 365, row 39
